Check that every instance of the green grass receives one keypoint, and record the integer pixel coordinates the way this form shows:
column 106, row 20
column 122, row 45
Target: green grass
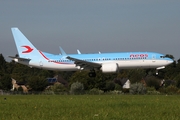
column 89, row 107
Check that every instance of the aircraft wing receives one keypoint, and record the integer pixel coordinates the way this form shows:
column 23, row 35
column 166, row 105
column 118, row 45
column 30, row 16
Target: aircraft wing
column 84, row 64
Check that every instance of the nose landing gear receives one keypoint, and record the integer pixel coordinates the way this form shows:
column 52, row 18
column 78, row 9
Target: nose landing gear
column 159, row 69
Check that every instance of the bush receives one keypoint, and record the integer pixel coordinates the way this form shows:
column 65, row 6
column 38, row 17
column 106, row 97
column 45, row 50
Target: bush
column 169, row 90
column 95, row 91
column 178, row 92
column 118, row 87
column 77, row 88
column 152, row 91
column 58, row 88
column 20, row 89
column 137, row 88
column 109, row 86
column 37, row 83
column 172, row 89
column 152, row 81
column 125, row 90
column 115, row 92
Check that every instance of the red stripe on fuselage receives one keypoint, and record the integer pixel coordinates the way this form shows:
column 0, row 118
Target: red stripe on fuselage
column 52, row 60
column 43, row 55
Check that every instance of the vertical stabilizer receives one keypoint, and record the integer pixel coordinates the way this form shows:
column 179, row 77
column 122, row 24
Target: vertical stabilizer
column 25, row 48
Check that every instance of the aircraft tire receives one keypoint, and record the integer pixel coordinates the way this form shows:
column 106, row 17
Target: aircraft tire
column 92, row 74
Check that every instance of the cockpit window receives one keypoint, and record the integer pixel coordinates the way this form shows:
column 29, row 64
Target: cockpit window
column 165, row 57
column 162, row 56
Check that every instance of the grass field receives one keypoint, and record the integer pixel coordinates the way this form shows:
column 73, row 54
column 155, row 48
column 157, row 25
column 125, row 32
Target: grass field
column 89, row 107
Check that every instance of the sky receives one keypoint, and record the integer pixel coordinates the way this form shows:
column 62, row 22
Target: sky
column 92, row 25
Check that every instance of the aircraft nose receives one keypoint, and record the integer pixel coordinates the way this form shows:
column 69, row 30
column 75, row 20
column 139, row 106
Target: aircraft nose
column 170, row 61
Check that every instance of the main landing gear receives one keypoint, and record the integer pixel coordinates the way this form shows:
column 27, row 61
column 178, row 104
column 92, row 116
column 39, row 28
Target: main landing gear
column 92, row 73
column 157, row 72
column 157, row 69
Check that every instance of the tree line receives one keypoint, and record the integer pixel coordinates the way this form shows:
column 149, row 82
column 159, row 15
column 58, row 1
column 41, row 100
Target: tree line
column 37, row 78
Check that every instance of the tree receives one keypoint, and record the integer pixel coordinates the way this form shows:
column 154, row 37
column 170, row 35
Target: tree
column 103, row 80
column 110, row 85
column 37, row 83
column 5, row 82
column 2, row 64
column 10, row 66
column 177, row 79
column 152, row 81
column 82, row 76
column 134, row 75
column 169, row 56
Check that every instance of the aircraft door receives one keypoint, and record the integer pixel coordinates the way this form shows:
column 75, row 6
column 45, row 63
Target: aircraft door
column 153, row 58
column 40, row 63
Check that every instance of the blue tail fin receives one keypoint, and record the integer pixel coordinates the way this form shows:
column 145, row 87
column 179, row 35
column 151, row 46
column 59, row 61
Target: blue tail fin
column 25, row 48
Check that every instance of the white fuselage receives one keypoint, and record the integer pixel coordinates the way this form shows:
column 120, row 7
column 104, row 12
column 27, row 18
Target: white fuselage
column 124, row 63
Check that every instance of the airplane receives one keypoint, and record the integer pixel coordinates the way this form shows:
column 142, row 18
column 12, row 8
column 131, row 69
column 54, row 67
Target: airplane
column 106, row 62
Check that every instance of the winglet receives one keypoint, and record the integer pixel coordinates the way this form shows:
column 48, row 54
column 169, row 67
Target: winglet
column 78, row 51
column 62, row 52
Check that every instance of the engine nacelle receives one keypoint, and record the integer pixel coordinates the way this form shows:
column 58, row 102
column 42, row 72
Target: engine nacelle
column 109, row 67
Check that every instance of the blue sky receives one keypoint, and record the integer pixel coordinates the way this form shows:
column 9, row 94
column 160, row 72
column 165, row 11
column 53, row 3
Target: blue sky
column 92, row 26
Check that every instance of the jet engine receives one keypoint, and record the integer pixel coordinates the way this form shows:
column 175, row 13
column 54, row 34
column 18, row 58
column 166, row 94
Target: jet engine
column 109, row 67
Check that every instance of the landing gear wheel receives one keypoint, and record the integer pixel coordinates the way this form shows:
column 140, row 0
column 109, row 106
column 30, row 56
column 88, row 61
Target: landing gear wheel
column 92, row 74
column 157, row 72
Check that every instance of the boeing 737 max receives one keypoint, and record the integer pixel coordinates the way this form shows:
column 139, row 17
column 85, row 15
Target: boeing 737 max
column 106, row 62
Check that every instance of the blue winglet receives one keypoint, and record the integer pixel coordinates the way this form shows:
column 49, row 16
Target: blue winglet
column 62, row 52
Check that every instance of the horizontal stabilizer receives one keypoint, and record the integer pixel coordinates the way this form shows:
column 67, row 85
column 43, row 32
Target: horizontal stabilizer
column 18, row 58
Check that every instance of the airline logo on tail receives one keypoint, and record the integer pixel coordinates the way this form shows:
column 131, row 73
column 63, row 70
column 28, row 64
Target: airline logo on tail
column 28, row 49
